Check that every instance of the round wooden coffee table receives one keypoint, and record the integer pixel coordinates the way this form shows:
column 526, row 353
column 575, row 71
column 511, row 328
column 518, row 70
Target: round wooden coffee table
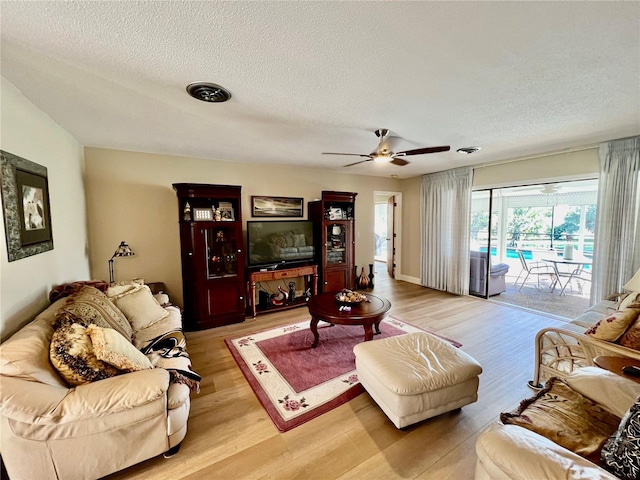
column 368, row 314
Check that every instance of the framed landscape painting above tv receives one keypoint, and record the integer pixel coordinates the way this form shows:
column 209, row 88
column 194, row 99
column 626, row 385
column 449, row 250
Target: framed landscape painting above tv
column 277, row 206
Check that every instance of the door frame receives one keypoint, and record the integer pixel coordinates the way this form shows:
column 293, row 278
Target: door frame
column 398, row 226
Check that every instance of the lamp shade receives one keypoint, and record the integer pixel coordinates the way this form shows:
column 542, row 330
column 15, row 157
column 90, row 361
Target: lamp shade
column 633, row 284
column 123, row 250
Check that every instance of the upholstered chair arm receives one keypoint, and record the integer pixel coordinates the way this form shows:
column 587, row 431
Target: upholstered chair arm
column 41, row 404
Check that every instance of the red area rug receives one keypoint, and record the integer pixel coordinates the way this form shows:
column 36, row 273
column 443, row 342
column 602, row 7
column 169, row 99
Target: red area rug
column 295, row 382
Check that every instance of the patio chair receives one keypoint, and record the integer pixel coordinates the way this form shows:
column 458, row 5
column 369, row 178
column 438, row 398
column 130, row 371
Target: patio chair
column 532, row 268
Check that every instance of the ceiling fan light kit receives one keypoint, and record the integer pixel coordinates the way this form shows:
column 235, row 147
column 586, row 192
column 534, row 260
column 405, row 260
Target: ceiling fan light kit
column 384, row 155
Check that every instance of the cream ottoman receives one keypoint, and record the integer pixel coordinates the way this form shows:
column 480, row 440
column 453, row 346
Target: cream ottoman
column 416, row 376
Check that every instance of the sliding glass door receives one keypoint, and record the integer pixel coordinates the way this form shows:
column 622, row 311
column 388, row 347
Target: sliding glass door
column 540, row 222
column 480, row 242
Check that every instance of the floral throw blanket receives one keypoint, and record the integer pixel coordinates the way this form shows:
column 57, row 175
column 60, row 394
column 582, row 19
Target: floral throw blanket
column 168, row 351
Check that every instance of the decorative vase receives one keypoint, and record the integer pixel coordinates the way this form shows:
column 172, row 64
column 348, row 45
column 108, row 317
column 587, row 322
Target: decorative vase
column 187, row 212
column 292, row 292
column 371, row 275
column 363, row 280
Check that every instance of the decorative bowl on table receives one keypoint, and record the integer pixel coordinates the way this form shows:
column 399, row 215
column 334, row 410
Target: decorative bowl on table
column 349, row 297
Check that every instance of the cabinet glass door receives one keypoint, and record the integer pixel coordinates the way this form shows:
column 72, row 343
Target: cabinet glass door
column 221, row 251
column 336, row 244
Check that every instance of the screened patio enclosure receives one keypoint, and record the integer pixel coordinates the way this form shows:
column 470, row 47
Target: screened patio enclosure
column 541, row 222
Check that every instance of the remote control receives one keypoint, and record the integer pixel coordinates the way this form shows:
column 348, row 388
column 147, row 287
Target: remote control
column 631, row 370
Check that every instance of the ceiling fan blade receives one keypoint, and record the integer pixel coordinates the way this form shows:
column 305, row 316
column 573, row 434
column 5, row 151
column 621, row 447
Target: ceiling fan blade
column 422, row 151
column 349, row 154
column 361, row 161
column 399, row 161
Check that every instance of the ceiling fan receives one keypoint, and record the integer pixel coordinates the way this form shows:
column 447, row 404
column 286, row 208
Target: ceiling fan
column 384, row 154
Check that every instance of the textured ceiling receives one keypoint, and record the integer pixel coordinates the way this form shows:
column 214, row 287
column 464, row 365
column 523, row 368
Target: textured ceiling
column 517, row 78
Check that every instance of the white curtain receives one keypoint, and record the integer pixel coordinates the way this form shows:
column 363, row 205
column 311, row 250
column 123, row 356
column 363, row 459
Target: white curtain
column 445, row 222
column 616, row 252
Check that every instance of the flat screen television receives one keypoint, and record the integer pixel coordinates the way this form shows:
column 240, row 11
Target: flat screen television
column 279, row 242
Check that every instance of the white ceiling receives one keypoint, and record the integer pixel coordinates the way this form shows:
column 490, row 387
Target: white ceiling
column 517, row 78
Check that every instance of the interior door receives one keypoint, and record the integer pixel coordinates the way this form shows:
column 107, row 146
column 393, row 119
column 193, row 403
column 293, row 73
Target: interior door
column 391, row 237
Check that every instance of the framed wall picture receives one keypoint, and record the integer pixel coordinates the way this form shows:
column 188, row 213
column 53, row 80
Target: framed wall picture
column 25, row 206
column 277, row 206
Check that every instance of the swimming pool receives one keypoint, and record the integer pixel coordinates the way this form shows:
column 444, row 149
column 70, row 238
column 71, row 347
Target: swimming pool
column 511, row 252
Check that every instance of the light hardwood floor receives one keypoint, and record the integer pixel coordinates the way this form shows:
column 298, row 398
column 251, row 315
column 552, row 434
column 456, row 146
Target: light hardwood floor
column 230, row 435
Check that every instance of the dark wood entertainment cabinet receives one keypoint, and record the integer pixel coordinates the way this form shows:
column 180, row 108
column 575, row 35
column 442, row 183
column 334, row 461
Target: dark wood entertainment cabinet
column 212, row 251
column 309, row 272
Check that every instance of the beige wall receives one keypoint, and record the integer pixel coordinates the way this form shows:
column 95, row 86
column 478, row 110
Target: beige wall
column 130, row 197
column 576, row 165
column 25, row 284
column 562, row 166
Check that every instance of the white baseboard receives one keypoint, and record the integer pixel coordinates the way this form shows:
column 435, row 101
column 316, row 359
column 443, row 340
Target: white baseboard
column 407, row 278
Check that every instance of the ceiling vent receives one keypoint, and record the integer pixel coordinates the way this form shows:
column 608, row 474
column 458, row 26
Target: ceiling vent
column 468, row 150
column 208, row 92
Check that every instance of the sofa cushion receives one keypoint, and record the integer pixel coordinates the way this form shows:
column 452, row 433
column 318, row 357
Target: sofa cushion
column 565, row 417
column 594, row 313
column 621, row 453
column 71, row 353
column 111, row 347
column 26, row 354
column 140, row 307
column 611, row 327
column 596, row 384
column 91, row 306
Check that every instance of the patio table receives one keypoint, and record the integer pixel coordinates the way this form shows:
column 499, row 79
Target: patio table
column 576, row 266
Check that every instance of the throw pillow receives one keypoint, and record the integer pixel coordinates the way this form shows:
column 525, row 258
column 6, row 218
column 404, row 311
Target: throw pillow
column 66, row 289
column 611, row 327
column 632, row 300
column 124, row 286
column 621, row 453
column 162, row 298
column 91, row 306
column 565, row 417
column 111, row 347
column 279, row 240
column 140, row 308
column 631, row 338
column 299, row 240
column 71, row 353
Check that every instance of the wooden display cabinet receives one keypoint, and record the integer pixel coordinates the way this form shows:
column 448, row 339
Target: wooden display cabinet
column 333, row 219
column 213, row 258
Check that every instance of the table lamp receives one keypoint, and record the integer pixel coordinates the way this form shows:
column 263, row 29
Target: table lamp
column 123, row 250
column 633, row 284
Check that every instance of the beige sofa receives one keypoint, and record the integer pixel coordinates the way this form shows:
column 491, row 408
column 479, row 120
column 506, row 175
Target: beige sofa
column 50, row 430
column 513, row 452
column 560, row 351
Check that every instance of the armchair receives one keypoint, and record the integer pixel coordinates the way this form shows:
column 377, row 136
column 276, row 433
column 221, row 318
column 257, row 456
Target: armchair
column 478, row 274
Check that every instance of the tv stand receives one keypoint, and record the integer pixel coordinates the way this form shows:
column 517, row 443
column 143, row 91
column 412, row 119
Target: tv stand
column 309, row 272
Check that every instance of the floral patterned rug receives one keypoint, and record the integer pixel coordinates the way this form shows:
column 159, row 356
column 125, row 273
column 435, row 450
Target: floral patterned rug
column 296, row 383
